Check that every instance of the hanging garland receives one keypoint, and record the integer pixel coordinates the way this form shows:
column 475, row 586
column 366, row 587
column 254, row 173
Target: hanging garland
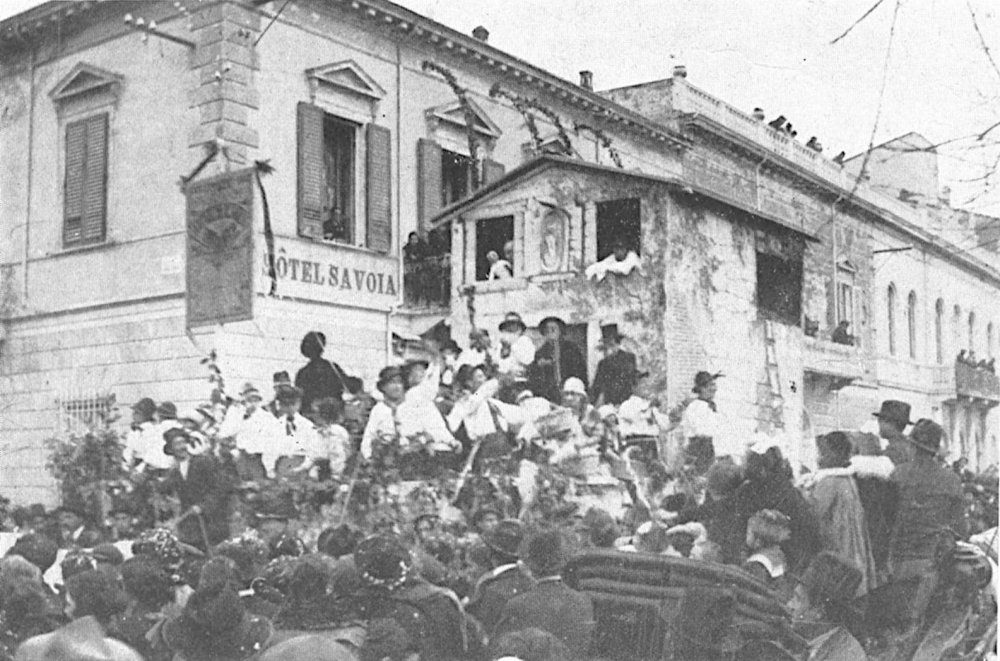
column 523, row 104
column 468, row 113
column 263, row 168
column 497, row 92
column 603, row 138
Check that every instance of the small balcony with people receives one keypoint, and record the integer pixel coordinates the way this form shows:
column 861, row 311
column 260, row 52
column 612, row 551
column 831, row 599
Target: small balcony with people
column 834, row 352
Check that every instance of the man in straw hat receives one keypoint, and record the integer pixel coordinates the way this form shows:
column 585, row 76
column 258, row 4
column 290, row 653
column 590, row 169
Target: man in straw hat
column 701, row 423
column 514, row 357
column 893, row 418
column 556, row 360
column 254, row 429
column 616, row 372
column 930, row 513
column 198, row 485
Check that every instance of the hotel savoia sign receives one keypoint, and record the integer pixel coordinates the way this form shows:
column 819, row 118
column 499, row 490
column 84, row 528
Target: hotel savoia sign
column 329, row 273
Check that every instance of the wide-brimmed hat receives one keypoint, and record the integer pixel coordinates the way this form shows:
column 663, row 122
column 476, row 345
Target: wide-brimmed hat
column 170, row 435
column 554, row 319
column 384, row 561
column 926, row 435
column 894, row 411
column 609, row 332
column 388, row 374
column 512, row 321
column 167, row 410
column 215, row 624
column 703, row 378
column 145, row 406
column 506, row 537
column 574, row 385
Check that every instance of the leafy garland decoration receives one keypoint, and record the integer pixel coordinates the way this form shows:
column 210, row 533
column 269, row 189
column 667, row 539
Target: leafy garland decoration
column 534, row 104
column 603, row 138
column 468, row 113
column 520, row 104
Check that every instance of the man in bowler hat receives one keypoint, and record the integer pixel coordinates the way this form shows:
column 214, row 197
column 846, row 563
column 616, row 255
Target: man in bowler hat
column 556, row 360
column 893, row 418
column 616, row 373
column 506, row 578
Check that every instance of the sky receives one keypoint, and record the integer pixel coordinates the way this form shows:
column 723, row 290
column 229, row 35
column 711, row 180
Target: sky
column 938, row 79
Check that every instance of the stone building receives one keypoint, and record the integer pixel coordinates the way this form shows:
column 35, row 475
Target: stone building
column 195, row 176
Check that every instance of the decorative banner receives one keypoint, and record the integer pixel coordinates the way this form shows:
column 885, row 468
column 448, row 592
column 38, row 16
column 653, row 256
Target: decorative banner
column 220, row 249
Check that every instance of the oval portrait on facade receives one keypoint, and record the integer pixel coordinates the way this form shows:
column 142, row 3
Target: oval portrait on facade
column 552, row 242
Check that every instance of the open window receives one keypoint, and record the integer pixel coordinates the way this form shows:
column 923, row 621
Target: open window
column 618, row 219
column 456, row 177
column 338, row 189
column 492, row 236
column 779, row 277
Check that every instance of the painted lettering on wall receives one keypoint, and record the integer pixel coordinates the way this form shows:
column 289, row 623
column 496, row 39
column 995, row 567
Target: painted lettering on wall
column 335, row 276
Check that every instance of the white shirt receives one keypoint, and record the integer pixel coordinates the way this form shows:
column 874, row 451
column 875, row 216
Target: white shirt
column 333, row 445
column 147, row 443
column 700, row 420
column 500, row 270
column 609, row 264
column 474, row 412
column 254, row 434
column 638, row 417
column 381, row 424
column 417, row 416
column 472, row 357
column 298, row 438
column 522, row 354
column 183, row 467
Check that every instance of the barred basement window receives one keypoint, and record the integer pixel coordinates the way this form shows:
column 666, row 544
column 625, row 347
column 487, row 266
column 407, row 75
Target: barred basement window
column 84, row 413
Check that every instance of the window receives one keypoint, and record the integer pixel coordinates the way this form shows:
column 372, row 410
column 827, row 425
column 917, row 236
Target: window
column 845, row 302
column 86, row 413
column 779, row 288
column 939, row 331
column 891, row 309
column 972, row 331
column 618, row 220
column 956, row 328
column 86, row 181
column 456, row 177
column 911, row 323
column 989, row 340
column 328, row 180
column 492, row 235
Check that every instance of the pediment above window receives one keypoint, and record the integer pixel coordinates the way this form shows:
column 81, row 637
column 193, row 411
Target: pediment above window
column 345, row 76
column 452, row 115
column 84, row 80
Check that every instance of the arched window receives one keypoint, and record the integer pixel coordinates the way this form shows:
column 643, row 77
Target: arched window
column 911, row 323
column 939, row 331
column 972, row 331
column 890, row 302
column 956, row 329
column 989, row 340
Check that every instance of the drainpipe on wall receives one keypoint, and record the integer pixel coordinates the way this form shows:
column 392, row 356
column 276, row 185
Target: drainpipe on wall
column 31, row 153
column 401, row 297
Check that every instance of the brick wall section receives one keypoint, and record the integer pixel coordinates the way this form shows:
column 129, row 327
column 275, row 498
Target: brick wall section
column 223, row 91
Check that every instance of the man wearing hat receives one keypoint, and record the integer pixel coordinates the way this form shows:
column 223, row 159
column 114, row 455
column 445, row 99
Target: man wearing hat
column 382, row 429
column 555, row 361
column 551, row 605
column 256, row 431
column 701, row 423
column 74, row 529
column 505, row 580
column 298, row 443
column 142, row 431
column 514, row 357
column 616, row 373
column 893, row 418
column 197, row 484
column 930, row 512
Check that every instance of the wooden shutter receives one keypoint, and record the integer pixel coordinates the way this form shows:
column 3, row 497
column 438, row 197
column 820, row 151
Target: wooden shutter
column 76, row 160
column 95, row 179
column 379, row 175
column 311, row 175
column 428, row 181
column 492, row 171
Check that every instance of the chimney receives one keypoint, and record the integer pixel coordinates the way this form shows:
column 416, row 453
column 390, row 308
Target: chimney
column 587, row 80
column 481, row 33
column 680, row 71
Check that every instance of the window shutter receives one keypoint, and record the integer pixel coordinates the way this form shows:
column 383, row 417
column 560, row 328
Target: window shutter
column 831, row 305
column 311, row 175
column 429, row 181
column 492, row 171
column 76, row 157
column 379, row 166
column 95, row 179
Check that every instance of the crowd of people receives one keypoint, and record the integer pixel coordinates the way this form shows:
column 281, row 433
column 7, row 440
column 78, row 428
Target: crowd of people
column 434, row 520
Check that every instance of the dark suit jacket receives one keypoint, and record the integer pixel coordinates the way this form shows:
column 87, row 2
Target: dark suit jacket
column 615, row 378
column 206, row 488
column 554, row 607
column 542, row 380
column 494, row 590
column 319, row 379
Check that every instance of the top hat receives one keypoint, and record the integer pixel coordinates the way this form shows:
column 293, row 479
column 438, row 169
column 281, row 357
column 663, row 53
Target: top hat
column 506, row 537
column 609, row 333
column 703, row 378
column 894, row 411
column 146, row 406
column 512, row 321
column 167, row 410
column 926, row 435
column 553, row 319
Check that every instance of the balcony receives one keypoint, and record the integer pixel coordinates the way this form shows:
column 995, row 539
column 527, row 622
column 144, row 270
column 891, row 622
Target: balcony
column 427, row 282
column 977, row 383
column 841, row 364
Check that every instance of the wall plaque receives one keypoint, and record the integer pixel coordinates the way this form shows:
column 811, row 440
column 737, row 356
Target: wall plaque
column 220, row 249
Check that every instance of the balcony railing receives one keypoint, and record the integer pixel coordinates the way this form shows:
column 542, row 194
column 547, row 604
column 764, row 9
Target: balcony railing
column 841, row 362
column 427, row 281
column 976, row 382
